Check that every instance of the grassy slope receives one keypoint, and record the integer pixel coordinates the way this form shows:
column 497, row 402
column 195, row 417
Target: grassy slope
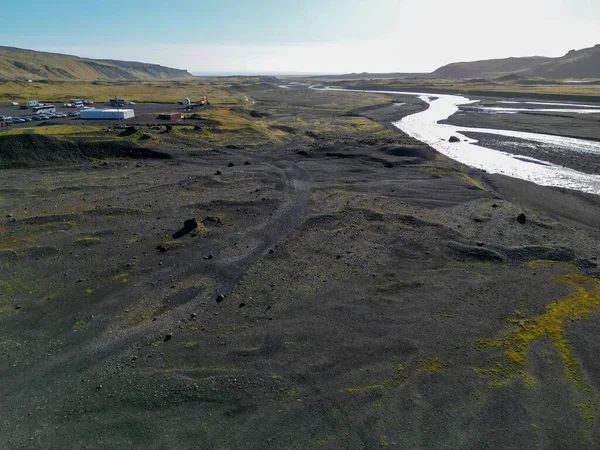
column 21, row 64
column 147, row 91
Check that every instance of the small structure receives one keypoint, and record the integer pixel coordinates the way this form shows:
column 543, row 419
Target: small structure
column 186, row 102
column 107, row 114
column 170, row 116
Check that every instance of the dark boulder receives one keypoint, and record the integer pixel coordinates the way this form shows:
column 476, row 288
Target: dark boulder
column 190, row 224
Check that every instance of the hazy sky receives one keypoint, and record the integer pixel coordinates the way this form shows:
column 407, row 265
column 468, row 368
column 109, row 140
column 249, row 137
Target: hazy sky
column 304, row 36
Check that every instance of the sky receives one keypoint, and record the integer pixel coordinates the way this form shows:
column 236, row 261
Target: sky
column 302, row 36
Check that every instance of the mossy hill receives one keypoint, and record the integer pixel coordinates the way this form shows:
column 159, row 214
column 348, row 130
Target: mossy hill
column 19, row 64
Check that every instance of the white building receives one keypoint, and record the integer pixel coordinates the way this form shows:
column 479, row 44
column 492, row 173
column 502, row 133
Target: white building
column 107, row 114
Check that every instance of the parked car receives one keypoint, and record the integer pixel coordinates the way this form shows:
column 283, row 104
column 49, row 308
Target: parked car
column 18, row 120
column 6, row 118
column 74, row 114
column 25, row 119
column 60, row 115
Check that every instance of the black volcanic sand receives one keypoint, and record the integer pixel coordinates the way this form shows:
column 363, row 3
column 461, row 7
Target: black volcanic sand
column 340, row 294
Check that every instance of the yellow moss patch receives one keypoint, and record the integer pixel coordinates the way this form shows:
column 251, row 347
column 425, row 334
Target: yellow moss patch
column 87, row 239
column 473, row 181
column 55, row 130
column 535, row 262
column 363, row 388
column 6, row 287
column 122, row 277
column 577, row 305
column 431, row 365
column 192, row 328
column 89, row 291
column 402, row 373
column 134, row 320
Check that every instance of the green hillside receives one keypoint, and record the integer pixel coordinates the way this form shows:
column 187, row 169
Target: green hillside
column 21, row 64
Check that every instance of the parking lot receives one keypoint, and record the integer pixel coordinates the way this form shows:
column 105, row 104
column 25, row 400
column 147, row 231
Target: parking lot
column 144, row 113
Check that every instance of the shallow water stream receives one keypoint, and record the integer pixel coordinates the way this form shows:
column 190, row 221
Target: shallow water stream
column 425, row 127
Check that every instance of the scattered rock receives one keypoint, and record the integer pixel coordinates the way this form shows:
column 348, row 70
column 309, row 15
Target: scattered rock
column 479, row 244
column 192, row 315
column 242, row 305
column 161, row 248
column 220, row 298
column 167, row 337
column 453, row 139
column 271, row 250
column 247, row 163
column 218, row 172
column 209, row 256
column 9, row 215
column 494, row 205
column 230, row 164
column 190, row 224
column 522, row 218
column 18, row 307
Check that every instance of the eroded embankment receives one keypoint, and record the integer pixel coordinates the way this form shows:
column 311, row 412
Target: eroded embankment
column 30, row 150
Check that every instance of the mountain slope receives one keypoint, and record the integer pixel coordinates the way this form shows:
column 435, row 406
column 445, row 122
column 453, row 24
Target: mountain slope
column 489, row 68
column 583, row 63
column 19, row 64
